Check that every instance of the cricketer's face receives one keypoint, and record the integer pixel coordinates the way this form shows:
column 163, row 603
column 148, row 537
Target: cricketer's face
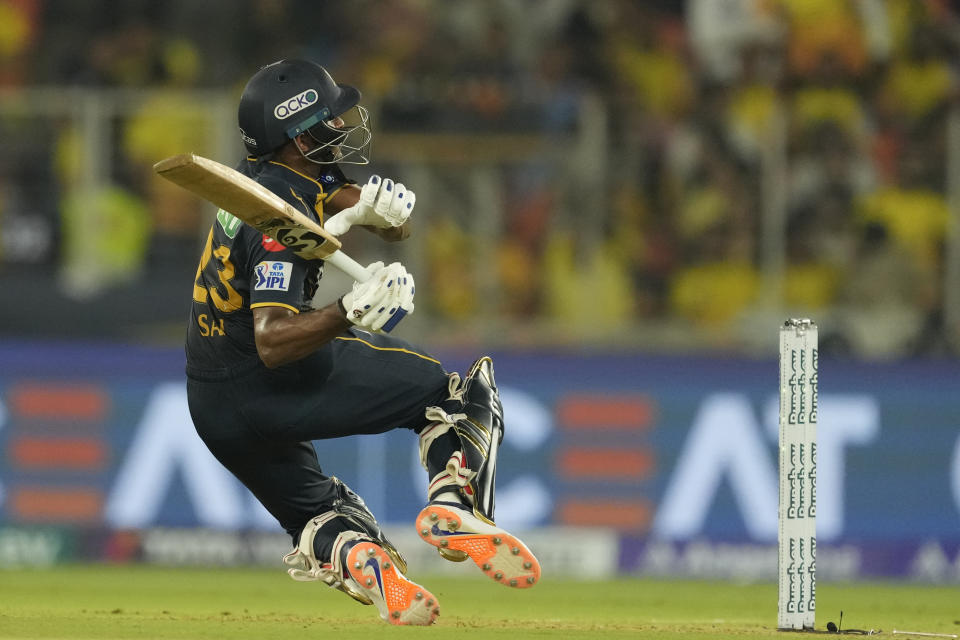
column 343, row 138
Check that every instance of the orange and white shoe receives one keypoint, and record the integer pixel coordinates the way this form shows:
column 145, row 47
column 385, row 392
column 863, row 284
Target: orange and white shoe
column 399, row 600
column 458, row 534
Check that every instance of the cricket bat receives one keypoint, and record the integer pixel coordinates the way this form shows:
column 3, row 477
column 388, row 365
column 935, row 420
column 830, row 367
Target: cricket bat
column 259, row 207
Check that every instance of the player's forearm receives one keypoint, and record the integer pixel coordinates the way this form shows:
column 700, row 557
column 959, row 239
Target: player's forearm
column 282, row 340
column 391, row 234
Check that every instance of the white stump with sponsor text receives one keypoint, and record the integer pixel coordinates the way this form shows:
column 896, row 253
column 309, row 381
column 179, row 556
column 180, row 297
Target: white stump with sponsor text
column 797, row 535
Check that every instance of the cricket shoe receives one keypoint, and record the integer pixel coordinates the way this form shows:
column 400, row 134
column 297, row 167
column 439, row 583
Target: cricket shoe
column 458, row 534
column 399, row 600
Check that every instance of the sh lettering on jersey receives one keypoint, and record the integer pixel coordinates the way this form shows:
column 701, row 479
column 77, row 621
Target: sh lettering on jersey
column 273, row 276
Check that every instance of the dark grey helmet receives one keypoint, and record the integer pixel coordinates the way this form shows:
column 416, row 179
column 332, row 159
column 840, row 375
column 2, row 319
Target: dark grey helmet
column 290, row 97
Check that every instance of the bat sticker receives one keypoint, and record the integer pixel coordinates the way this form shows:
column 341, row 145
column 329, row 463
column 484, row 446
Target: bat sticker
column 304, row 242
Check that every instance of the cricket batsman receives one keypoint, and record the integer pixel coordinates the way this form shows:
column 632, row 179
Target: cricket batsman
column 267, row 373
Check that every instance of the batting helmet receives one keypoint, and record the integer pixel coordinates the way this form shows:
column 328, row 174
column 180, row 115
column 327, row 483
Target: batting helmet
column 290, row 97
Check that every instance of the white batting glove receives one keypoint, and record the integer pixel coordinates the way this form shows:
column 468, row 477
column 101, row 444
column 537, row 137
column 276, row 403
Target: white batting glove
column 382, row 204
column 381, row 302
column 392, row 203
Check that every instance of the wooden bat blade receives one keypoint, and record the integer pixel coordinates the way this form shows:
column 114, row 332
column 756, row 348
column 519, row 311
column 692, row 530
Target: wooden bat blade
column 250, row 201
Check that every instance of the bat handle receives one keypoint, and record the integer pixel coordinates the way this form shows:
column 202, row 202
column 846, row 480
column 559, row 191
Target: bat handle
column 348, row 265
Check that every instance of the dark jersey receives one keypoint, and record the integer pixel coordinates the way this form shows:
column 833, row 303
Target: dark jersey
column 241, row 269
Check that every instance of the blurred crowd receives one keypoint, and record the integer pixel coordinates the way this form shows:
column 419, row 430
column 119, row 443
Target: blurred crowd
column 746, row 159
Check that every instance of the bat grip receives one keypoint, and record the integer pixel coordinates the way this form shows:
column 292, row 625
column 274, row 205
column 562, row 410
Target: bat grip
column 348, row 265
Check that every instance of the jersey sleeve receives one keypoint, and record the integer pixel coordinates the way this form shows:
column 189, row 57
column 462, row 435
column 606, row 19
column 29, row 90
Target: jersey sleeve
column 277, row 274
column 333, row 180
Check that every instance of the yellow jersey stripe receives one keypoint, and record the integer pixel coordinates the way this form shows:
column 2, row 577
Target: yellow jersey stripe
column 301, row 201
column 413, row 353
column 274, row 304
column 327, row 196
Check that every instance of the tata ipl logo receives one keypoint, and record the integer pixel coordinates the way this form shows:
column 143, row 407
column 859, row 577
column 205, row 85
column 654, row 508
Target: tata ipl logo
column 297, row 103
column 272, row 275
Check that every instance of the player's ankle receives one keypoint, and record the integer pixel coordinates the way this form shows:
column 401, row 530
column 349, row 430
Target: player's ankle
column 448, row 495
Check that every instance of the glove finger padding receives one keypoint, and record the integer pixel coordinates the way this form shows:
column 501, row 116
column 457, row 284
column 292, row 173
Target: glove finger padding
column 401, row 206
column 385, row 199
column 382, row 204
column 382, row 301
column 398, row 302
column 368, row 194
column 394, row 203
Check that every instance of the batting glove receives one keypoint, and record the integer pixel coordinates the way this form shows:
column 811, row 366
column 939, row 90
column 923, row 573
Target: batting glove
column 383, row 300
column 382, row 204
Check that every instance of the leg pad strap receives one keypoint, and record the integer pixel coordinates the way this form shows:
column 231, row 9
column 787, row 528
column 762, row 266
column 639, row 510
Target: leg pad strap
column 471, row 467
column 303, row 562
column 304, row 566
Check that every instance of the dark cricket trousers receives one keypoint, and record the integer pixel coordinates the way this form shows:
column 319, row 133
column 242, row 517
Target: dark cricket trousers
column 259, row 424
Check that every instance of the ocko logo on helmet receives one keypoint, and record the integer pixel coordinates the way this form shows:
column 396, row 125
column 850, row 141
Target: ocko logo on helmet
column 292, row 105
